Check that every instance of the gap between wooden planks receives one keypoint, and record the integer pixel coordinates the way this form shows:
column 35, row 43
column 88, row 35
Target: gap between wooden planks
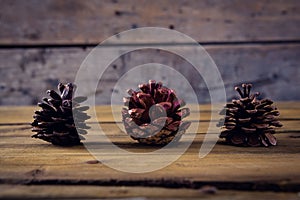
column 91, row 192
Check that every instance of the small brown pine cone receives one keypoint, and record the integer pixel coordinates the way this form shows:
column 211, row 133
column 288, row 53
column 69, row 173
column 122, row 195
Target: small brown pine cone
column 54, row 123
column 249, row 121
column 153, row 115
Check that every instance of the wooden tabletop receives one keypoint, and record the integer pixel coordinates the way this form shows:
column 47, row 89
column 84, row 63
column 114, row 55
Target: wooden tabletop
column 31, row 168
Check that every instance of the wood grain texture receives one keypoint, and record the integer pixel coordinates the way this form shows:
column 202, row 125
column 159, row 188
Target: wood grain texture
column 90, row 22
column 273, row 69
column 28, row 161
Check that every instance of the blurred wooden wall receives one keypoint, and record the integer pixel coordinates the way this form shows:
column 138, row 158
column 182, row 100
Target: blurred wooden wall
column 44, row 42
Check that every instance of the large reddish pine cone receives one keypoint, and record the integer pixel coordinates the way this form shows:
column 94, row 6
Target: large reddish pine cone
column 153, row 114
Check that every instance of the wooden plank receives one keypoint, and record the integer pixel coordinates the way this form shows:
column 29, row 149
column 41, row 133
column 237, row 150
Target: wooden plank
column 91, row 192
column 90, row 22
column 17, row 115
column 35, row 162
column 273, row 69
column 25, row 160
column 36, row 67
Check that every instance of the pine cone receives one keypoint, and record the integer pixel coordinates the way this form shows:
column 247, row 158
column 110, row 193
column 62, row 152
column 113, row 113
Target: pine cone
column 153, row 115
column 249, row 121
column 55, row 123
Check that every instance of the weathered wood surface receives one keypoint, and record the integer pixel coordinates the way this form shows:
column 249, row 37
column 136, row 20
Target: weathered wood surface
column 90, row 22
column 273, row 69
column 25, row 161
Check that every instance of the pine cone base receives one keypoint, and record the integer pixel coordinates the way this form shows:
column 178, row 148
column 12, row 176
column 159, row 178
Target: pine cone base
column 59, row 139
column 160, row 138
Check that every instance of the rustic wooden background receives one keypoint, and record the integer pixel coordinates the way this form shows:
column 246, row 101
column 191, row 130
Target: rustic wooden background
column 44, row 42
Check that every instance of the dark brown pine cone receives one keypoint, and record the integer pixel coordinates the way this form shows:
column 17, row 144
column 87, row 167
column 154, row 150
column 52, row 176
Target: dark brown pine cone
column 55, row 123
column 153, row 115
column 249, row 121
